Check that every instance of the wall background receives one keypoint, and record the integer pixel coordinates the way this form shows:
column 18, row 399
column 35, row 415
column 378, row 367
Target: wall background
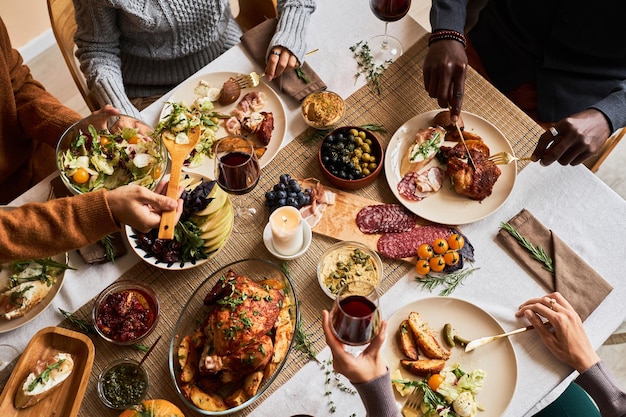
column 26, row 20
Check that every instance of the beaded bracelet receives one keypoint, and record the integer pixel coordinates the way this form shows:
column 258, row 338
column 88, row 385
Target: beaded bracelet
column 440, row 35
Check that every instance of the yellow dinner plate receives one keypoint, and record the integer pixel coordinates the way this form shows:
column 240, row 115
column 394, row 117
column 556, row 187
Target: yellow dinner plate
column 446, row 206
column 185, row 93
column 497, row 359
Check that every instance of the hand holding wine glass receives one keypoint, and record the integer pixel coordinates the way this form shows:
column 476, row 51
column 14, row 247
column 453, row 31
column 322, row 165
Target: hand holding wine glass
column 385, row 49
column 355, row 317
column 237, row 172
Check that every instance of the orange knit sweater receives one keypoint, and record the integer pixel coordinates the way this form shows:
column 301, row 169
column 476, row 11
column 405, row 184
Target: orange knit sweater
column 31, row 123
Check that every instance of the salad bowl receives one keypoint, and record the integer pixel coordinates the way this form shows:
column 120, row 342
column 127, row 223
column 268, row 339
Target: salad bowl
column 105, row 152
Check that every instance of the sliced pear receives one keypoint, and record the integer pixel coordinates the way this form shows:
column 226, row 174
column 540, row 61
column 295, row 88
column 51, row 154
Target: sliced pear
column 215, row 220
column 216, row 242
column 224, row 223
column 219, row 198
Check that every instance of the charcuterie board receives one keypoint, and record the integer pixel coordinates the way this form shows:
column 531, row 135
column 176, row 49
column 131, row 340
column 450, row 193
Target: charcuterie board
column 339, row 219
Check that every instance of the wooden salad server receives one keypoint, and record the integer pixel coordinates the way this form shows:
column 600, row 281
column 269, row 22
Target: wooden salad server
column 178, row 153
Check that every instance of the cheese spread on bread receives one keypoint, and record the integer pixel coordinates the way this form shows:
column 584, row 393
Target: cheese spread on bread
column 45, row 378
column 18, row 300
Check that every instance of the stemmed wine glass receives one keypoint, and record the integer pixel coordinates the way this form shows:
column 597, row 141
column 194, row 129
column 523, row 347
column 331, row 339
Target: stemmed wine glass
column 355, row 316
column 237, row 172
column 384, row 48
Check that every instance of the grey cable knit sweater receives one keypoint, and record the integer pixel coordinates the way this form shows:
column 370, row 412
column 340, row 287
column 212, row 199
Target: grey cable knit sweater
column 140, row 48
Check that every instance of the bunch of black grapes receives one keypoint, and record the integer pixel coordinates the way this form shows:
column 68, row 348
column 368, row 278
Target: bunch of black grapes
column 287, row 193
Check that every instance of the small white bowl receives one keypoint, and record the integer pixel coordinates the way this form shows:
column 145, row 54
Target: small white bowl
column 267, row 239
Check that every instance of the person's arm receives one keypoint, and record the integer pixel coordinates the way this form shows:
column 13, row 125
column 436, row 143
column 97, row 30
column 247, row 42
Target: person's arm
column 290, row 37
column 98, row 45
column 445, row 65
column 38, row 230
column 39, row 114
column 598, row 382
column 567, row 340
column 368, row 372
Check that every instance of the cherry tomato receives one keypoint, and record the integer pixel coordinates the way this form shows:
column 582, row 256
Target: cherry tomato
column 456, row 241
column 422, row 267
column 440, row 246
column 104, row 140
column 425, row 251
column 156, row 172
column 434, row 381
column 437, row 263
column 134, row 140
column 81, row 176
column 451, row 257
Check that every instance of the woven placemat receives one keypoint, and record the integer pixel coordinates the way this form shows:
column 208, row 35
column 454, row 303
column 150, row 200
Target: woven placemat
column 402, row 97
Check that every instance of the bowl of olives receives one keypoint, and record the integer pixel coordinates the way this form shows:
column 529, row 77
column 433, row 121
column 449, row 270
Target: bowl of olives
column 351, row 157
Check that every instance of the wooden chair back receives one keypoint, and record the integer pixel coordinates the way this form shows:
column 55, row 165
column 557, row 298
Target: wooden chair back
column 253, row 12
column 63, row 22
column 596, row 161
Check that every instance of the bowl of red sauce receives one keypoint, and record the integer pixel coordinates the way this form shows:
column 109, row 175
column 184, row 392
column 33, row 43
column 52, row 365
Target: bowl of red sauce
column 125, row 312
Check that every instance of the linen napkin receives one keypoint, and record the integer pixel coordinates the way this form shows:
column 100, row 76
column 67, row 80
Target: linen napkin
column 94, row 253
column 256, row 42
column 580, row 284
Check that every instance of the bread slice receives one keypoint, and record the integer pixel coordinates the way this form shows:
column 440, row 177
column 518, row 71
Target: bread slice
column 423, row 367
column 426, row 340
column 18, row 300
column 406, row 341
column 45, row 379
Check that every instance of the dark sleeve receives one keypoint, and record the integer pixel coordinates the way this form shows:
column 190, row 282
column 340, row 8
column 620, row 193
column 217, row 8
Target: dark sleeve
column 613, row 107
column 598, row 382
column 448, row 14
column 377, row 396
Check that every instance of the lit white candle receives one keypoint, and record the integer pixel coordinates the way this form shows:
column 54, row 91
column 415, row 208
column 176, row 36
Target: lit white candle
column 286, row 225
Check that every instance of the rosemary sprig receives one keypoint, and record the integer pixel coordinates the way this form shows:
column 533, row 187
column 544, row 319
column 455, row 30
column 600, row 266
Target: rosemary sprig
column 537, row 252
column 449, row 281
column 83, row 325
column 302, row 75
column 109, row 249
column 367, row 67
column 372, row 127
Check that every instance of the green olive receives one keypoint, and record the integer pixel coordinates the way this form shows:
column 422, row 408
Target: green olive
column 362, row 134
column 366, row 157
column 366, row 171
column 215, row 120
column 353, row 132
column 366, row 148
column 368, row 141
column 372, row 165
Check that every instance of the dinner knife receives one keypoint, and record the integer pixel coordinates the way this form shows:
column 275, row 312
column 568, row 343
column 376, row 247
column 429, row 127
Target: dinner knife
column 484, row 340
column 469, row 156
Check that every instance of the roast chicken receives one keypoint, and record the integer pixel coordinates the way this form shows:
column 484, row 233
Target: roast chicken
column 238, row 327
column 477, row 184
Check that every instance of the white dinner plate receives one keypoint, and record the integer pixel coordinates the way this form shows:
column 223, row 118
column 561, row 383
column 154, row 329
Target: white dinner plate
column 185, row 94
column 8, row 325
column 497, row 359
column 446, row 206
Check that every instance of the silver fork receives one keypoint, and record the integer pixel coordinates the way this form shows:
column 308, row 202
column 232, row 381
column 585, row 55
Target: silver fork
column 411, row 407
column 505, row 158
column 248, row 80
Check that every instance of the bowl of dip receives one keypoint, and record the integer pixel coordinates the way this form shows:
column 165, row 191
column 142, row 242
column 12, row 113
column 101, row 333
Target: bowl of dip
column 122, row 383
column 348, row 261
column 125, row 312
column 323, row 110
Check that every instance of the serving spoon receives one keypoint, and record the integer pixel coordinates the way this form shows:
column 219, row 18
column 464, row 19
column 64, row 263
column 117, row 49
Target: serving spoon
column 178, row 153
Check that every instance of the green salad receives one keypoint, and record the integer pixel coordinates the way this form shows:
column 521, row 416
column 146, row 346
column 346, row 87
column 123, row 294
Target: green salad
column 100, row 159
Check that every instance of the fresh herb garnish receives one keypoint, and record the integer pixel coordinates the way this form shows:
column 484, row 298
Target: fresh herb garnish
column 332, row 381
column 449, row 281
column 45, row 375
column 83, row 325
column 48, row 269
column 109, row 249
column 302, row 75
column 366, row 66
column 537, row 252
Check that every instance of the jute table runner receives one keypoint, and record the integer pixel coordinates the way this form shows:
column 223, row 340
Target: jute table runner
column 402, row 97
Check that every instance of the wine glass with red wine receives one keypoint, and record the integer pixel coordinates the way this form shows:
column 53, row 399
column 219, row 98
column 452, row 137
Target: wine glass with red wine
column 355, row 316
column 237, row 172
column 384, row 48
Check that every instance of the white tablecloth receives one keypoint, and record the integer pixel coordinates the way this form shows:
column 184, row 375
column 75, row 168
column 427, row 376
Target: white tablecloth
column 572, row 201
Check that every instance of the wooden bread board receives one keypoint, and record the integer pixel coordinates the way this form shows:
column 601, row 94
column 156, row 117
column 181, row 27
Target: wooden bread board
column 66, row 401
column 339, row 219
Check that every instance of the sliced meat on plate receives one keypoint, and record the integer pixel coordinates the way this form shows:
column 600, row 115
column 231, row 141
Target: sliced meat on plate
column 385, row 218
column 416, row 186
column 405, row 244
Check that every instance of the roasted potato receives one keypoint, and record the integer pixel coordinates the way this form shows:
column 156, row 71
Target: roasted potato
column 237, row 397
column 190, row 368
column 206, row 401
column 252, row 382
column 423, row 367
column 406, row 341
column 425, row 338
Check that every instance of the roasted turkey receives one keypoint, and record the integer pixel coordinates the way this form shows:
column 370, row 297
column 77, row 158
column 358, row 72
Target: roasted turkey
column 238, row 328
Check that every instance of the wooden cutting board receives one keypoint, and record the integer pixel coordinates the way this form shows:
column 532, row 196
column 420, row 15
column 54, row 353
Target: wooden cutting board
column 339, row 219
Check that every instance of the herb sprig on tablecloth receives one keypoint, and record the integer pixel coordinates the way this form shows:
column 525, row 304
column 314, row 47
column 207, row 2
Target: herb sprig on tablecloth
column 537, row 252
column 367, row 67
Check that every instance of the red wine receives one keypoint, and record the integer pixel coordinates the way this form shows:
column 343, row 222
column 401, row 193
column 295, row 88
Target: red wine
column 238, row 172
column 356, row 320
column 390, row 10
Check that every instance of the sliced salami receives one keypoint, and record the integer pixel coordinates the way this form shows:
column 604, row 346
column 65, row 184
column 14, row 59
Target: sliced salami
column 385, row 218
column 405, row 244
